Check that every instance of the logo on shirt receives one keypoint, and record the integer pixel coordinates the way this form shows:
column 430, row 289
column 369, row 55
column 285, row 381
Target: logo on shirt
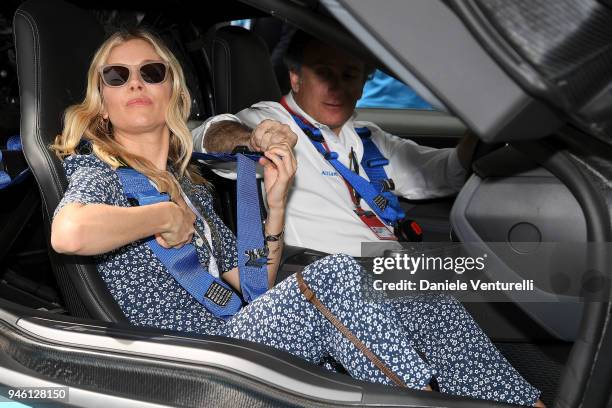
column 329, row 173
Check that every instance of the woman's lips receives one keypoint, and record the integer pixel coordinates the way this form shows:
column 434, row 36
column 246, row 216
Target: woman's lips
column 139, row 101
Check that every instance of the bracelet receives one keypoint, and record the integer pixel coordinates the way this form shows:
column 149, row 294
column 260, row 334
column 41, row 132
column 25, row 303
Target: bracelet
column 271, row 237
column 274, row 238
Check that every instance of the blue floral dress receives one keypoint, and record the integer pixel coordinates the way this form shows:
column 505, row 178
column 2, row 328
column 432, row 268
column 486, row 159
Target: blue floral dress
column 419, row 338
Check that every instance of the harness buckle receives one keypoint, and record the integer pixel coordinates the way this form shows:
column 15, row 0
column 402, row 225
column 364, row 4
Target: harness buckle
column 258, row 257
column 241, row 150
column 387, row 185
column 313, row 136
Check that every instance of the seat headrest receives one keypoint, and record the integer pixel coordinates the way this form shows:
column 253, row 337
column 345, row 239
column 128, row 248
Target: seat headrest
column 241, row 70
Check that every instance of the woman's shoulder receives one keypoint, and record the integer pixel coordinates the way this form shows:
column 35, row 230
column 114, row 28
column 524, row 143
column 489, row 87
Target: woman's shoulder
column 91, row 180
column 91, row 161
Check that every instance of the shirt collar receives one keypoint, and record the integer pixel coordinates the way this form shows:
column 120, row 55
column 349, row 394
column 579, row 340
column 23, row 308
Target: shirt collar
column 296, row 108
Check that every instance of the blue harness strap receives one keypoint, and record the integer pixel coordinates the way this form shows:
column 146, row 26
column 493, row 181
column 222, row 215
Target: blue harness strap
column 182, row 263
column 252, row 252
column 13, row 144
column 222, row 157
column 373, row 163
column 5, row 179
column 374, row 192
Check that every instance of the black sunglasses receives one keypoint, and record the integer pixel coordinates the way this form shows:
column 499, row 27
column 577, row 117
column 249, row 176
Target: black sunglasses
column 116, row 75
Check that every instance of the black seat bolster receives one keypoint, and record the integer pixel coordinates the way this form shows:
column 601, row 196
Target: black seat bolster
column 55, row 42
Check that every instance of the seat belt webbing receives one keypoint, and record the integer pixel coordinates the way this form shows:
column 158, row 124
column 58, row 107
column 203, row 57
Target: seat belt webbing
column 182, row 263
column 13, row 144
column 252, row 251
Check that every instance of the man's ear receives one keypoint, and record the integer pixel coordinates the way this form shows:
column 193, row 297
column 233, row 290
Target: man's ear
column 295, row 79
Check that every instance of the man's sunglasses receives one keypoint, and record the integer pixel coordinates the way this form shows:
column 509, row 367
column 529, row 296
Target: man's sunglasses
column 116, row 75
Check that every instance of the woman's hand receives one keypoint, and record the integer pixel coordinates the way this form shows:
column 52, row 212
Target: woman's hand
column 180, row 229
column 279, row 169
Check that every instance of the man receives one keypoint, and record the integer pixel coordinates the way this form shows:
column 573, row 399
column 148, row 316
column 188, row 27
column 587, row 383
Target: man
column 323, row 212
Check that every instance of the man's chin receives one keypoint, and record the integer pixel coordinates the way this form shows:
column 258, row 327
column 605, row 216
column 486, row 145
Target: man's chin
column 336, row 121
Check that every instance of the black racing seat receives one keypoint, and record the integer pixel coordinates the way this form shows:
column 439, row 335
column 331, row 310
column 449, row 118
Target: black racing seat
column 55, row 42
column 242, row 73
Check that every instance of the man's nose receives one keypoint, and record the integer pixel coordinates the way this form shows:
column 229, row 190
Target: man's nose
column 333, row 82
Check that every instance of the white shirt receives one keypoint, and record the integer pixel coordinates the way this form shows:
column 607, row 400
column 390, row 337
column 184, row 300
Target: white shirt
column 213, row 267
column 319, row 211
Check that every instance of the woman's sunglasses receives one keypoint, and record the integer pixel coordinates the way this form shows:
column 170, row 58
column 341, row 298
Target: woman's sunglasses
column 116, row 75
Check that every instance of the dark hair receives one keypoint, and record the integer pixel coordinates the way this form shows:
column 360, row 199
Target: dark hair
column 294, row 56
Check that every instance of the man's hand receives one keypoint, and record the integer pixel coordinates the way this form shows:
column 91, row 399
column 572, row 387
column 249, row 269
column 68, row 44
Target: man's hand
column 465, row 150
column 226, row 135
column 270, row 133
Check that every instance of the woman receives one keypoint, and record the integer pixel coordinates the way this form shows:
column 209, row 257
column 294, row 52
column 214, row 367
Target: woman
column 134, row 115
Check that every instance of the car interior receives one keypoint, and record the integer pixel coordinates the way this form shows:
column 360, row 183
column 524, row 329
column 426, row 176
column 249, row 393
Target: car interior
column 66, row 327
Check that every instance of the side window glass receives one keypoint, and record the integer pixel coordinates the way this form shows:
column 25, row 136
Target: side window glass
column 384, row 91
column 246, row 23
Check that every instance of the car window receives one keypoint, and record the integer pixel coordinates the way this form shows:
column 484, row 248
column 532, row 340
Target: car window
column 384, row 91
column 380, row 91
column 246, row 23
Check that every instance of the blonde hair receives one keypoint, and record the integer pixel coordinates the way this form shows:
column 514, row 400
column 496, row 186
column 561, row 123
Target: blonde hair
column 84, row 120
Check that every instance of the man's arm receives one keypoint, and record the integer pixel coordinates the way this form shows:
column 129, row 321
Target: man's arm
column 225, row 135
column 420, row 172
column 465, row 150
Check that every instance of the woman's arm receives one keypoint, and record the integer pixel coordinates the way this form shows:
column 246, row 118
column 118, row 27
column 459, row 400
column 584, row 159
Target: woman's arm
column 92, row 229
column 274, row 226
